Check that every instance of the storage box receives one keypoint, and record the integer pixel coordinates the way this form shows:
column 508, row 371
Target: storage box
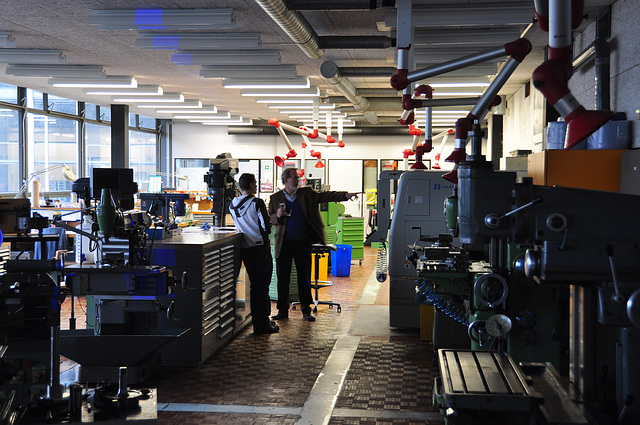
column 341, row 261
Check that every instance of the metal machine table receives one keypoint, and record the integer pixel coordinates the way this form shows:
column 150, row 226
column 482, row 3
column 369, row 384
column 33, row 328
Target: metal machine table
column 483, row 380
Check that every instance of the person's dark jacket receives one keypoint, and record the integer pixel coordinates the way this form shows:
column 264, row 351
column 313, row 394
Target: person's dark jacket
column 309, row 200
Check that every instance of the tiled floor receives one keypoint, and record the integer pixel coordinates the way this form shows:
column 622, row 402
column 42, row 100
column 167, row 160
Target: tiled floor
column 345, row 368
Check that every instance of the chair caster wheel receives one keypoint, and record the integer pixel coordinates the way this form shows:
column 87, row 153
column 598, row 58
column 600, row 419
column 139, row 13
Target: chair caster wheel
column 315, row 309
column 293, row 307
column 339, row 309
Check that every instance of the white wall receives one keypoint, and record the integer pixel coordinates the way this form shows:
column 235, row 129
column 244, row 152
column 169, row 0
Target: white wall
column 200, row 141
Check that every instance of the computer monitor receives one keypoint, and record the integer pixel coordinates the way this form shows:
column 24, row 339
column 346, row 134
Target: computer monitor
column 155, row 184
column 119, row 180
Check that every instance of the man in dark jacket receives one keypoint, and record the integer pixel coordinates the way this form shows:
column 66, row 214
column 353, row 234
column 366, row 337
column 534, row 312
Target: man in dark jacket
column 295, row 214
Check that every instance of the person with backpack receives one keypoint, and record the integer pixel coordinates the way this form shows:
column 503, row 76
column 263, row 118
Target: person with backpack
column 251, row 219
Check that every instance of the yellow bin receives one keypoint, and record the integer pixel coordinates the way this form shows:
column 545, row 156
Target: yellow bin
column 323, row 267
column 426, row 322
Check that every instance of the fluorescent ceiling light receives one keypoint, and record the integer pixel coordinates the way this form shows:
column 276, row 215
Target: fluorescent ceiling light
column 232, row 118
column 176, row 109
column 31, row 56
column 280, row 100
column 303, row 106
column 308, row 116
column 311, row 92
column 345, row 123
column 219, row 116
column 188, row 103
column 194, row 40
column 289, row 83
column 54, row 70
column 243, row 122
column 6, row 40
column 454, row 94
column 470, row 84
column 254, row 71
column 141, row 90
column 226, row 57
column 107, row 81
column 150, row 19
column 165, row 98
column 449, row 111
column 300, row 111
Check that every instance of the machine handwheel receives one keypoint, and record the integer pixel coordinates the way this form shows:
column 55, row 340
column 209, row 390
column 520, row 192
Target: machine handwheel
column 477, row 332
column 491, row 289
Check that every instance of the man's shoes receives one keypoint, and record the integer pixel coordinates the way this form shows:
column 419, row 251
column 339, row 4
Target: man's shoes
column 308, row 318
column 281, row 316
column 270, row 329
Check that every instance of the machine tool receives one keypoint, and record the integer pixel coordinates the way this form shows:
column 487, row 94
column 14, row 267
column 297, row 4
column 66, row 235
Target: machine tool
column 123, row 292
column 31, row 293
column 417, row 214
column 555, row 292
column 221, row 185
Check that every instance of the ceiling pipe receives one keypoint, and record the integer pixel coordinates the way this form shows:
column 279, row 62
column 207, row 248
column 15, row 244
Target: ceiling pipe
column 395, row 103
column 357, row 42
column 338, row 4
column 599, row 50
column 377, row 92
column 294, row 24
column 331, row 74
column 367, row 71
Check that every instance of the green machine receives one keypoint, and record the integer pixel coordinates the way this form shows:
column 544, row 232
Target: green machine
column 502, row 309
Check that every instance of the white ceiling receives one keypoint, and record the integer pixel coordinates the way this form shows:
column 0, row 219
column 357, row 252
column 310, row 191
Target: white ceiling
column 63, row 24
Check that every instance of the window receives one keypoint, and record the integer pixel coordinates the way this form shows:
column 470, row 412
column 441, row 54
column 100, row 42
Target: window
column 97, row 147
column 146, row 122
column 90, row 111
column 35, row 99
column 8, row 93
column 142, row 155
column 9, row 150
column 51, row 141
column 60, row 104
column 105, row 113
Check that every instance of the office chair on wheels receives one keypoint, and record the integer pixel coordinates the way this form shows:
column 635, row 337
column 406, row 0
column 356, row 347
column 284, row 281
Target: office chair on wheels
column 317, row 250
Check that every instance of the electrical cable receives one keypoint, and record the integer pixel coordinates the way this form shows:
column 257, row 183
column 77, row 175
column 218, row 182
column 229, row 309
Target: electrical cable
column 381, row 263
column 426, row 294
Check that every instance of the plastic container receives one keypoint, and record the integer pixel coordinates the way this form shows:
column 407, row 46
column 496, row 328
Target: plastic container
column 341, row 260
column 556, row 133
column 323, row 267
column 82, row 242
column 612, row 135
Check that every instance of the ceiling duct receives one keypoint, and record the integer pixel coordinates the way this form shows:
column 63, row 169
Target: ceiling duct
column 331, row 74
column 294, row 24
column 338, row 4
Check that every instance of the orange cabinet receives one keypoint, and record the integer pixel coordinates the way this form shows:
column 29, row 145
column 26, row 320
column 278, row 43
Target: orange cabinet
column 585, row 169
